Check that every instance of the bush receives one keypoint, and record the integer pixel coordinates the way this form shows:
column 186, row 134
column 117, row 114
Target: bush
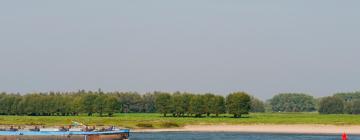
column 331, row 105
column 145, row 125
column 169, row 124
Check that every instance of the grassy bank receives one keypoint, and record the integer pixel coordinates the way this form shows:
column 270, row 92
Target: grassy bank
column 153, row 120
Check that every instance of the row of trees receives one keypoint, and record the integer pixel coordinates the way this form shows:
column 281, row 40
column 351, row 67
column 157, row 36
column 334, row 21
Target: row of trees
column 293, row 102
column 185, row 104
column 297, row 102
column 57, row 104
column 341, row 103
column 74, row 103
column 178, row 104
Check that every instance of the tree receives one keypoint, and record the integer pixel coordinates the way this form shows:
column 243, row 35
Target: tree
column 163, row 102
column 208, row 101
column 355, row 107
column 148, row 103
column 32, row 104
column 100, row 104
column 331, row 105
column 351, row 101
column 88, row 103
column 256, row 105
column 15, row 107
column 130, row 102
column 218, row 105
column 186, row 102
column 348, row 96
column 348, row 107
column 177, row 102
column 75, row 105
column 292, row 102
column 238, row 103
column 62, row 104
column 6, row 104
column 111, row 105
column 197, row 105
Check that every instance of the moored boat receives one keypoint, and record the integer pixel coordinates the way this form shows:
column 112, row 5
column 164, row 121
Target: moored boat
column 60, row 134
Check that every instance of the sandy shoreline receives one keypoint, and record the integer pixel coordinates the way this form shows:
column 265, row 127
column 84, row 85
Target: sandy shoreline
column 286, row 129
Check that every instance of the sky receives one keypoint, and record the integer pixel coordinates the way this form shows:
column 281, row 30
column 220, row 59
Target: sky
column 259, row 46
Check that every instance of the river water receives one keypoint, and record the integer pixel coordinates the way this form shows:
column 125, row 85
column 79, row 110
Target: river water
column 231, row 136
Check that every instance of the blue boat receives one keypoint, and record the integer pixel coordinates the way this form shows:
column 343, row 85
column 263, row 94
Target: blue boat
column 116, row 134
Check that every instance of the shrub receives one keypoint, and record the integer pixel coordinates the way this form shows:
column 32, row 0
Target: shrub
column 169, row 124
column 144, row 125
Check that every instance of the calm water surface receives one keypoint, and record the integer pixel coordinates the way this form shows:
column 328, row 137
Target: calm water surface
column 231, row 136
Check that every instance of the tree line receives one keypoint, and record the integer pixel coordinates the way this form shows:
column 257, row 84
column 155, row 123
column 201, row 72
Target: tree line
column 197, row 105
column 339, row 103
column 177, row 104
column 75, row 103
column 98, row 102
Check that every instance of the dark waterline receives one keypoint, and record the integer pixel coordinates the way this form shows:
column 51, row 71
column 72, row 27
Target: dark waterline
column 231, row 136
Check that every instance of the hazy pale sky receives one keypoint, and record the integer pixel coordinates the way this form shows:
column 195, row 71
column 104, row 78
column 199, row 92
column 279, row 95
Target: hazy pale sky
column 262, row 47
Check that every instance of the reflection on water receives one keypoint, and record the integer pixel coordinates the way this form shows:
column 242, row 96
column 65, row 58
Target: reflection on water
column 231, row 136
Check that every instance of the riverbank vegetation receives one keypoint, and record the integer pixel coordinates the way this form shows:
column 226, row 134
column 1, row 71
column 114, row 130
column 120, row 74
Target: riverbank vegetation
column 87, row 102
column 178, row 104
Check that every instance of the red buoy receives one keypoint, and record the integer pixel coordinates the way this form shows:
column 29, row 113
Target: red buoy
column 344, row 136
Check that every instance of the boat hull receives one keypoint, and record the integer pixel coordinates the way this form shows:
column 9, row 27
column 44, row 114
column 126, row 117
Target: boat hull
column 73, row 137
column 67, row 135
